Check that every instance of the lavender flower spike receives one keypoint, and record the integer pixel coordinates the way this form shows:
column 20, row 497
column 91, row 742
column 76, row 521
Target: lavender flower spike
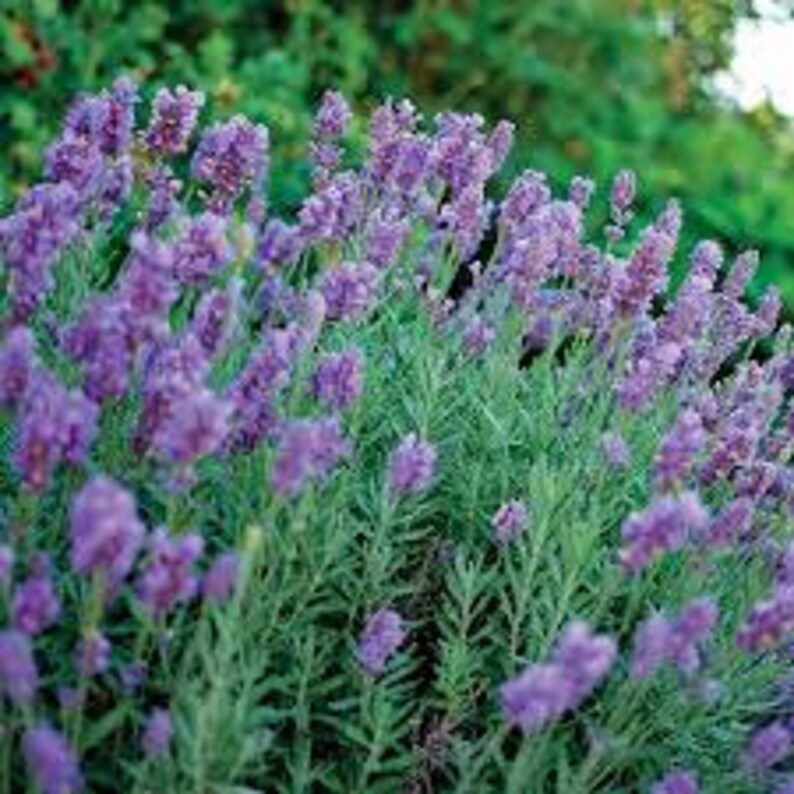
column 382, row 636
column 412, row 466
column 52, row 763
column 678, row 449
column 337, row 379
column 220, row 580
column 35, row 606
column 105, row 531
column 157, row 734
column 678, row 782
column 768, row 747
column 509, row 520
column 6, row 565
column 93, row 655
column 169, row 579
column 544, row 692
column 174, row 116
column 308, row 450
column 19, row 678
column 663, row 527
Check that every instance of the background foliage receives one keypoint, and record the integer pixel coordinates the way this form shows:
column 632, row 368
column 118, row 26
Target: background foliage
column 595, row 84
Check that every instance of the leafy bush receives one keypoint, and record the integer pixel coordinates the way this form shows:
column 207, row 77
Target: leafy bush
column 415, row 490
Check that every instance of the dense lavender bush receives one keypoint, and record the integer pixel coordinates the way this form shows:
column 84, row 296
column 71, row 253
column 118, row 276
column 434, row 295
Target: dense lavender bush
column 422, row 489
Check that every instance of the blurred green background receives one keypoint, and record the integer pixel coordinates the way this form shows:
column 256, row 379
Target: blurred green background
column 595, row 85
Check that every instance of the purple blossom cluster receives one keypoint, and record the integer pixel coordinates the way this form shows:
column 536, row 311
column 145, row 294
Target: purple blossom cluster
column 678, row 782
column 308, row 450
column 509, row 521
column 660, row 640
column 383, row 634
column 665, row 526
column 543, row 692
column 412, row 466
column 337, row 380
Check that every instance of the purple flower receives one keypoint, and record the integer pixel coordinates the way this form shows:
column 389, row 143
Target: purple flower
column 660, row 640
column 769, row 621
column 35, row 606
column 146, row 289
column 500, row 141
column 461, row 155
column 19, row 677
column 740, row 275
column 168, row 577
column 337, row 379
column 478, row 336
column 202, row 249
column 105, row 531
column 220, row 580
column 509, row 520
column 768, row 312
column 677, row 782
column 615, row 450
column 466, row 220
column 195, row 426
column 52, row 763
column 687, row 319
column 171, row 374
column 216, row 316
column 544, row 692
column 649, row 369
column 768, row 747
column 382, row 636
column 101, row 342
column 383, row 238
column 157, row 733
column 54, row 426
column 331, row 213
column 132, row 676
column 526, row 196
column 308, row 450
column 349, row 289
column 118, row 122
column 251, row 393
column 581, row 191
column 6, row 565
column 44, row 222
column 731, row 523
column 174, row 115
column 163, row 203
column 646, row 273
column 115, row 187
column 624, row 189
column 411, row 466
column 663, row 527
column 17, row 364
column 93, row 655
column 75, row 160
column 330, row 124
column 279, row 244
column 69, row 698
column 332, row 117
column 231, row 157
column 675, row 456
column 541, row 694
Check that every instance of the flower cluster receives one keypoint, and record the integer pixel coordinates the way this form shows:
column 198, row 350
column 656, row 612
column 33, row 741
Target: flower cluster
column 544, row 692
column 368, row 379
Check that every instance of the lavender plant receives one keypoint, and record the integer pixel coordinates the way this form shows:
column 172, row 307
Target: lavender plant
column 417, row 490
